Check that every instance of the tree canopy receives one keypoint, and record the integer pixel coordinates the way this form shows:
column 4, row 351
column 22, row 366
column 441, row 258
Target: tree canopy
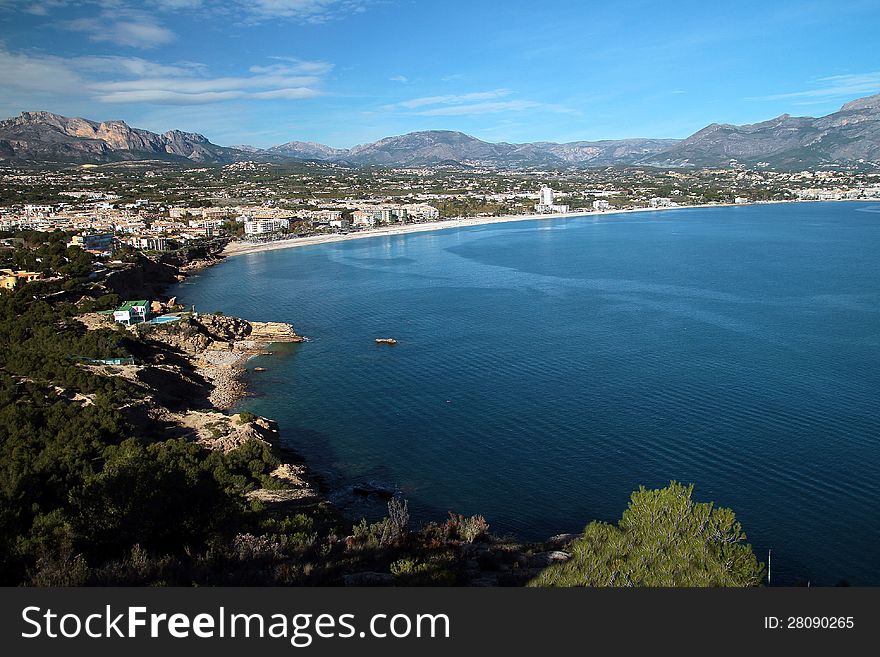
column 664, row 538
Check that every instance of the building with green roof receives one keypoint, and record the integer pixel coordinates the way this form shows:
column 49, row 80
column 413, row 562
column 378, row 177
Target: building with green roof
column 132, row 312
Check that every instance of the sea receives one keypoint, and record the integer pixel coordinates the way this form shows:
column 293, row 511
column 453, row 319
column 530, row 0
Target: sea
column 546, row 369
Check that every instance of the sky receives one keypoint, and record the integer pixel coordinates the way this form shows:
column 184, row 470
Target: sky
column 343, row 72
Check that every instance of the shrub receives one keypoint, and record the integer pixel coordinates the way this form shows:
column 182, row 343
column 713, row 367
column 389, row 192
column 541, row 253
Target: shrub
column 408, row 572
column 246, row 417
column 469, row 529
column 247, row 547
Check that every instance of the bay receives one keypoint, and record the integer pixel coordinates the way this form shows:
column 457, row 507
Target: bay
column 546, row 369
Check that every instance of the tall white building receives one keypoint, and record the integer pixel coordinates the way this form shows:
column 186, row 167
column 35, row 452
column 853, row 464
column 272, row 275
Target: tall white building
column 545, row 202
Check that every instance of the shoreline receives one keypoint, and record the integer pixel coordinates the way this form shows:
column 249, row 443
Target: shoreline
column 226, row 367
column 245, row 248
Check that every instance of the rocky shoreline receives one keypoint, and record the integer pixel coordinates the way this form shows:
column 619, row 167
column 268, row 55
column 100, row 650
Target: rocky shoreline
column 222, row 362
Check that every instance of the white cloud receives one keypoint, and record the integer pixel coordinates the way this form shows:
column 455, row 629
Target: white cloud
column 293, row 66
column 481, row 108
column 135, row 23
column 36, row 78
column 205, row 85
column 166, row 97
column 308, row 11
column 173, row 5
column 38, row 8
column 131, row 29
column 476, row 102
column 41, row 74
column 454, row 99
column 834, row 86
column 399, row 78
column 135, row 66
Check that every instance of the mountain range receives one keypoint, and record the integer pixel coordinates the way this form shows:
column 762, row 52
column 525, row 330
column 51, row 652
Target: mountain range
column 850, row 136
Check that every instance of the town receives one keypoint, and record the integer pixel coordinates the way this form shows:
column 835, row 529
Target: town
column 157, row 207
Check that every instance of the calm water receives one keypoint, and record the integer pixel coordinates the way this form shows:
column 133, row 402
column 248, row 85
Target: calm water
column 545, row 369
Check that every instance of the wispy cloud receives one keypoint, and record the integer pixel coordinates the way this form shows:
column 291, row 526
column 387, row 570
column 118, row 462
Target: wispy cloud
column 293, row 66
column 38, row 8
column 481, row 108
column 306, row 11
column 135, row 80
column 37, row 74
column 136, row 66
column 454, row 99
column 472, row 103
column 399, row 78
column 236, row 11
column 834, row 86
column 172, row 5
column 134, row 29
column 186, row 90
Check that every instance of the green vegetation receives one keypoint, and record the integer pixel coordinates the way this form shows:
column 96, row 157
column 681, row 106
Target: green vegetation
column 663, row 539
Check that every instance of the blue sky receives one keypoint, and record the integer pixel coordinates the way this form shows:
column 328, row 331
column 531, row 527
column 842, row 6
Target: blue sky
column 343, row 72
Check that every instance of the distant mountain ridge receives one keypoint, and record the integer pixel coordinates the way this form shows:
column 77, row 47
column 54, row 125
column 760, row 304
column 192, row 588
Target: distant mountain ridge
column 44, row 136
column 849, row 136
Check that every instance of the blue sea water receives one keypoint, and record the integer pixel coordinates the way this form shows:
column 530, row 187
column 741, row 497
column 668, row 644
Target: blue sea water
column 546, row 369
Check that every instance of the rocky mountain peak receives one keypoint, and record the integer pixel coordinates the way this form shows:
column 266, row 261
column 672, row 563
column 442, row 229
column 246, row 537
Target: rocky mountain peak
column 867, row 103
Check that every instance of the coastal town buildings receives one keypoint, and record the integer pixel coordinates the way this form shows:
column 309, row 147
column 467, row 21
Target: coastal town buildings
column 168, row 208
column 93, row 241
column 11, row 279
column 266, row 225
column 662, row 202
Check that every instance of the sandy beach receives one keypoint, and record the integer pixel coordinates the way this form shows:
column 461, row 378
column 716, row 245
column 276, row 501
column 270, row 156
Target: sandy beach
column 243, row 248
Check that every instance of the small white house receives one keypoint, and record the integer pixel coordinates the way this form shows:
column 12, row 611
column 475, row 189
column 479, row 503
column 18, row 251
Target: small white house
column 132, row 312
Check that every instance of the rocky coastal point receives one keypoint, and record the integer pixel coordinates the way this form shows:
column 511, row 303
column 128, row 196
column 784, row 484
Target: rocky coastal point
column 192, row 374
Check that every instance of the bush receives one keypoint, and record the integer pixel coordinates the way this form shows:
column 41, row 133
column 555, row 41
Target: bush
column 246, row 417
column 458, row 527
column 409, row 572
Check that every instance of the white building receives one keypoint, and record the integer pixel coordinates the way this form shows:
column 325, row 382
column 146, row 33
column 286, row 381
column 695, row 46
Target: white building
column 264, row 226
column 365, row 219
column 147, row 242
column 601, row 205
column 661, row 202
column 37, row 210
column 546, row 204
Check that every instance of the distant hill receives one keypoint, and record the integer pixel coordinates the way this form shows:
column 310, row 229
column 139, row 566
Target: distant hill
column 43, row 136
column 848, row 136
column 305, row 150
